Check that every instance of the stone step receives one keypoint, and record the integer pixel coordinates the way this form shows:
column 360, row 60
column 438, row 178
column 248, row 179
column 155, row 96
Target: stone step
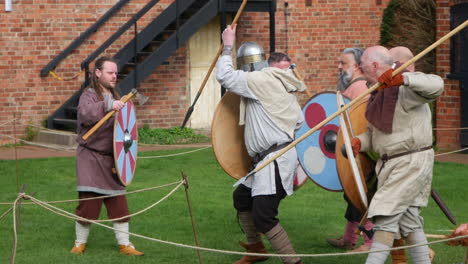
column 56, row 137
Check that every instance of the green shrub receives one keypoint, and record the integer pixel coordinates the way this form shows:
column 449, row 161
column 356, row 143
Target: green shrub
column 175, row 135
column 30, row 132
column 388, row 22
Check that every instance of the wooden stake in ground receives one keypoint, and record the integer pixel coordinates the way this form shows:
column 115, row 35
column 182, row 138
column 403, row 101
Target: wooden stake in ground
column 16, row 223
column 195, row 233
column 16, row 154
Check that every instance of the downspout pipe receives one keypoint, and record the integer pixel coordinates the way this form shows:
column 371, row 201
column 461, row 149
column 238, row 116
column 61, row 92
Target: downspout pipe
column 7, row 5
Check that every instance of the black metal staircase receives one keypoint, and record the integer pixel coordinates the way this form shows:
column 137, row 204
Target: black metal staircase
column 152, row 46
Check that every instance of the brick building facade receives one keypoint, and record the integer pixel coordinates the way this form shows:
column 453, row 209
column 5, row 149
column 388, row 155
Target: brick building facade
column 313, row 33
column 448, row 106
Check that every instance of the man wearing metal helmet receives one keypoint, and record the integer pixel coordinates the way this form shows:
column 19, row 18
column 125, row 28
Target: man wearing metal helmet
column 270, row 112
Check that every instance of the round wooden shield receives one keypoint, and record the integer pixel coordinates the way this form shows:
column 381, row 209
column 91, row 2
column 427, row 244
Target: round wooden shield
column 352, row 171
column 125, row 143
column 317, row 151
column 227, row 139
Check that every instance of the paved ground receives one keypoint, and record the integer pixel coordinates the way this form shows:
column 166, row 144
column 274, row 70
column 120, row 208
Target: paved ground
column 29, row 152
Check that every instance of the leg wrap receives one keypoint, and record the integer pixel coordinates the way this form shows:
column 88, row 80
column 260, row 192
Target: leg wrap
column 280, row 242
column 420, row 255
column 122, row 238
column 351, row 234
column 368, row 226
column 381, row 240
column 82, row 232
column 246, row 221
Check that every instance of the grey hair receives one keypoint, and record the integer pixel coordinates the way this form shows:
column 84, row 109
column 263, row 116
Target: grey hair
column 356, row 52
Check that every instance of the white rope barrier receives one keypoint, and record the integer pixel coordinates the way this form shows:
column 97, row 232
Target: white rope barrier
column 61, row 212
column 172, row 155
column 451, row 152
column 105, row 196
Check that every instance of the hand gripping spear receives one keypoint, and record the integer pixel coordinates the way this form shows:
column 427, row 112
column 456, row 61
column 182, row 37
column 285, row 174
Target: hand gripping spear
column 213, row 64
column 134, row 92
column 357, row 99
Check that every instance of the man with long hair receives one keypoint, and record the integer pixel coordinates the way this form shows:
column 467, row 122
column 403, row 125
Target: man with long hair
column 95, row 160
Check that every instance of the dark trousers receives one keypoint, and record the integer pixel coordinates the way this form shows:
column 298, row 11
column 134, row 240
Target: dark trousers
column 264, row 208
column 352, row 213
column 117, row 207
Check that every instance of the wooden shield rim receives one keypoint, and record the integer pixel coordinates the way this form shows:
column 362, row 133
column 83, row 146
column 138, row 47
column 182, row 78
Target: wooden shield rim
column 135, row 142
column 244, row 161
column 314, row 181
column 355, row 186
column 217, row 138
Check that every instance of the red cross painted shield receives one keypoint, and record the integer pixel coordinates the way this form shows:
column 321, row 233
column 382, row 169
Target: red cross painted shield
column 125, row 143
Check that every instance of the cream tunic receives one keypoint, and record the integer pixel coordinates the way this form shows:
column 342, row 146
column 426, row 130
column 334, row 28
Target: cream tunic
column 263, row 126
column 405, row 181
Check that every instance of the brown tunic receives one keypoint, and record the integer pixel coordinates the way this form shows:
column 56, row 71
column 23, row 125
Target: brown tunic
column 95, row 157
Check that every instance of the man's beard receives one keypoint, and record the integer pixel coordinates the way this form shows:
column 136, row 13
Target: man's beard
column 108, row 86
column 344, row 79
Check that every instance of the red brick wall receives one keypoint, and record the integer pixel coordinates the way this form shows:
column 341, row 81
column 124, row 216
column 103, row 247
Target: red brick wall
column 36, row 31
column 167, row 88
column 448, row 105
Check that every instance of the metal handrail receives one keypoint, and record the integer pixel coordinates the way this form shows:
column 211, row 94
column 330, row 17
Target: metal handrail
column 117, row 34
column 77, row 42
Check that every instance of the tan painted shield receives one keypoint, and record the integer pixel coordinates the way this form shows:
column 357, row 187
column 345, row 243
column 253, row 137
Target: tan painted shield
column 352, row 172
column 227, row 137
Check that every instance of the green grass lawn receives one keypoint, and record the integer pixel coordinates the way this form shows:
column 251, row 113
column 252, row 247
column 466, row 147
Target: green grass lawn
column 310, row 216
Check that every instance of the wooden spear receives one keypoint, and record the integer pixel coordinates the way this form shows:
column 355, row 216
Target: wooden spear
column 124, row 99
column 357, row 99
column 213, row 64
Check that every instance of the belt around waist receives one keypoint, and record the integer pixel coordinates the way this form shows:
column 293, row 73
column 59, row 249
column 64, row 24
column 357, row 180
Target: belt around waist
column 386, row 157
column 260, row 156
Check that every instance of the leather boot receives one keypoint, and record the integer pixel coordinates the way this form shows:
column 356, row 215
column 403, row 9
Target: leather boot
column 129, row 250
column 398, row 256
column 253, row 248
column 349, row 238
column 431, row 254
column 340, row 243
column 78, row 248
column 367, row 241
